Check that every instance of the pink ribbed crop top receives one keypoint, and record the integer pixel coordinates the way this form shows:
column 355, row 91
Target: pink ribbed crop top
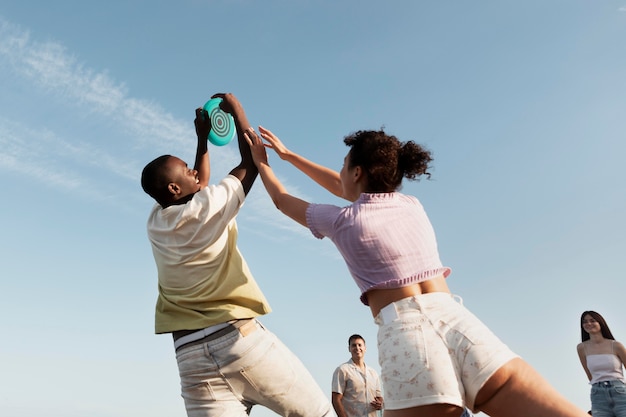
column 386, row 240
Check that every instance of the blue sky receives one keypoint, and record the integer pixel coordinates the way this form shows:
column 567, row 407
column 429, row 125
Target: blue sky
column 521, row 103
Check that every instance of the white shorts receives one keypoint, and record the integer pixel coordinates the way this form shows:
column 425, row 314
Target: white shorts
column 432, row 350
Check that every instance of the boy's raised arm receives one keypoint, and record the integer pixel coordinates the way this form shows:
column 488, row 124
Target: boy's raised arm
column 246, row 171
column 202, row 163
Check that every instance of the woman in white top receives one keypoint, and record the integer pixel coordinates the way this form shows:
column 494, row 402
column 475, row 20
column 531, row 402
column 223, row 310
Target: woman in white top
column 602, row 358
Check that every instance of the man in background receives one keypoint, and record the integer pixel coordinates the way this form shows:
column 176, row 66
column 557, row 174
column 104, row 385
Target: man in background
column 356, row 387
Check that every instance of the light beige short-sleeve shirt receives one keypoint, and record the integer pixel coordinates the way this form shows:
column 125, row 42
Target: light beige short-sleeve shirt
column 203, row 278
column 357, row 388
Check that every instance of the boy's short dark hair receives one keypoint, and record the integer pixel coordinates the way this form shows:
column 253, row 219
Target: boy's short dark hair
column 154, row 179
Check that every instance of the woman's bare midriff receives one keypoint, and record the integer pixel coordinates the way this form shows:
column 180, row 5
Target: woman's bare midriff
column 377, row 299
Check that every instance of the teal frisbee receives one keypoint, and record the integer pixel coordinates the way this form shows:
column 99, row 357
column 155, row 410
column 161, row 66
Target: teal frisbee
column 222, row 123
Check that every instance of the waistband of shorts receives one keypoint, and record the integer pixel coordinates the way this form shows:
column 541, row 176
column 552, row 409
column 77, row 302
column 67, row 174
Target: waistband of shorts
column 213, row 332
column 392, row 311
column 612, row 383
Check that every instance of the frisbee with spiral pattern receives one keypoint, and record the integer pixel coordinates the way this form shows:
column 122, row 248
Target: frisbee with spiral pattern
column 222, row 123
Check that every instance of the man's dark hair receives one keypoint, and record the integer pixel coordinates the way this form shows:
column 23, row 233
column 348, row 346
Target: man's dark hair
column 154, row 179
column 353, row 337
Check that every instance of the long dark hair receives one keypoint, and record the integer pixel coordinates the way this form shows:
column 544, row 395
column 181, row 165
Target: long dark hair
column 604, row 328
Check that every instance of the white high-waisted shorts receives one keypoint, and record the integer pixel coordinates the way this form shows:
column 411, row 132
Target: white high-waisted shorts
column 433, row 350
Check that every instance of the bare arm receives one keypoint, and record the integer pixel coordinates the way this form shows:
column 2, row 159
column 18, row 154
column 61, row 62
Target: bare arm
column 291, row 206
column 620, row 352
column 246, row 171
column 337, row 405
column 326, row 177
column 202, row 164
column 583, row 359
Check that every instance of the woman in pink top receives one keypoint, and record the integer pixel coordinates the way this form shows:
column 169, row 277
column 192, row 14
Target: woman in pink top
column 602, row 358
column 435, row 356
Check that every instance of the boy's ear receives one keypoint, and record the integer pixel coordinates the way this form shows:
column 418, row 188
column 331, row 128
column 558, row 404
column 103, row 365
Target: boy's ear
column 358, row 173
column 173, row 188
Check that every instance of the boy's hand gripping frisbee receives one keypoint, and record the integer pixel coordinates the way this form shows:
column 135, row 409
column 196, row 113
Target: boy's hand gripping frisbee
column 222, row 123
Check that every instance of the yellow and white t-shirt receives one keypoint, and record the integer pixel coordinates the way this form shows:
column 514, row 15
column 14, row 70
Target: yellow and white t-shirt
column 203, row 278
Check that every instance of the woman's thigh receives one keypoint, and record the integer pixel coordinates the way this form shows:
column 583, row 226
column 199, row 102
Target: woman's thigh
column 518, row 390
column 432, row 410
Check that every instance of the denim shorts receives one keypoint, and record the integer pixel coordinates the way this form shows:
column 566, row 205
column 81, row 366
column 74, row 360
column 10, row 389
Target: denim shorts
column 432, row 350
column 227, row 376
column 608, row 399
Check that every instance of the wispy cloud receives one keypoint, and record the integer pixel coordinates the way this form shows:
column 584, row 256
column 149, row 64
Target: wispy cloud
column 70, row 155
column 13, row 149
column 52, row 68
column 71, row 158
column 18, row 140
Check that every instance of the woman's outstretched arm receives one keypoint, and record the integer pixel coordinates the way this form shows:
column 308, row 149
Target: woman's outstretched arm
column 291, row 206
column 326, row 177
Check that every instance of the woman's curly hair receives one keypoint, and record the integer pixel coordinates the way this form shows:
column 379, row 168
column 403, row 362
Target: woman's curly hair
column 386, row 160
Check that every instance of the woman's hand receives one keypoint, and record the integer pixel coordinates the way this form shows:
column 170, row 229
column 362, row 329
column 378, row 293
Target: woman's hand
column 257, row 147
column 274, row 143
